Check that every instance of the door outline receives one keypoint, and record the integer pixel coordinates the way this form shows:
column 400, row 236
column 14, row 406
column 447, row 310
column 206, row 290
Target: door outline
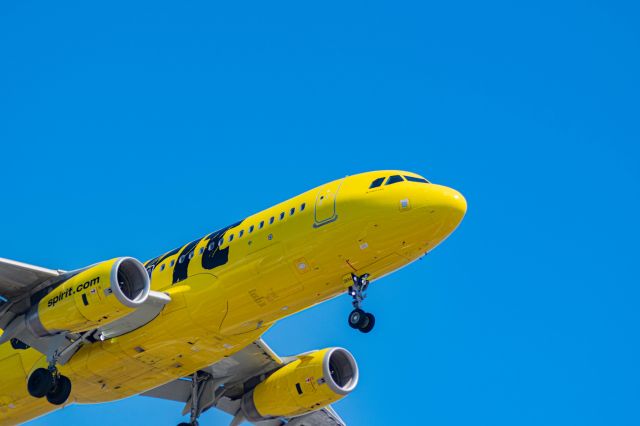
column 334, row 216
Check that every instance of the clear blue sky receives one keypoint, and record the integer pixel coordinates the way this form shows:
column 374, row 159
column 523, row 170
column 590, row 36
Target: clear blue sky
column 129, row 129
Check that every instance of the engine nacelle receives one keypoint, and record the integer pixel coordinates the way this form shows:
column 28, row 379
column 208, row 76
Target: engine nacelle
column 94, row 297
column 307, row 384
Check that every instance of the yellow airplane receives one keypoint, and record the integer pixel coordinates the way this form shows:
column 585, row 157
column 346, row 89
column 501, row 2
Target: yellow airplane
column 186, row 325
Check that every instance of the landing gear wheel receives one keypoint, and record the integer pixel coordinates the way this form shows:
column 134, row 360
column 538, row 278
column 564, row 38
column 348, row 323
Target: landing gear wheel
column 40, row 383
column 357, row 318
column 60, row 392
column 369, row 323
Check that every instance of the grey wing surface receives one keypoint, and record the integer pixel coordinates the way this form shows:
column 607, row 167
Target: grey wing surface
column 17, row 281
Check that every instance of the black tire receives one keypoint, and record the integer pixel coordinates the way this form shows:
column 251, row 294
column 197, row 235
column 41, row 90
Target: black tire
column 40, row 383
column 356, row 318
column 60, row 392
column 370, row 323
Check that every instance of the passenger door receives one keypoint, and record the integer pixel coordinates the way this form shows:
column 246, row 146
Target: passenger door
column 325, row 208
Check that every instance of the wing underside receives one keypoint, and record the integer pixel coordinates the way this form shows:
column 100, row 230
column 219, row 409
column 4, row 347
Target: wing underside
column 18, row 279
column 220, row 387
column 17, row 282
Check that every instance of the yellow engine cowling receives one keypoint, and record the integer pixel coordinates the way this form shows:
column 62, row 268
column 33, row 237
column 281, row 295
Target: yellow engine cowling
column 94, row 297
column 307, row 384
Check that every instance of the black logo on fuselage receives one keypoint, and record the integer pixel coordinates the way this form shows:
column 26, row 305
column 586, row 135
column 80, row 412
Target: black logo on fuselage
column 71, row 291
column 212, row 255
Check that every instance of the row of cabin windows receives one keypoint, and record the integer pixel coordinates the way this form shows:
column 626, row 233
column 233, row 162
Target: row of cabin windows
column 395, row 179
column 272, row 219
column 173, row 262
column 211, row 246
column 260, row 225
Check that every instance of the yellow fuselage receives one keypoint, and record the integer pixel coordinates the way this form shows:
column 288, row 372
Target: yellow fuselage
column 227, row 292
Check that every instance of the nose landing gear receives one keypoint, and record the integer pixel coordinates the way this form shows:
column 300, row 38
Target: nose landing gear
column 358, row 318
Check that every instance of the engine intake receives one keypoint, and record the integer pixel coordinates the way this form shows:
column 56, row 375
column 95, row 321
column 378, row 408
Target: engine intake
column 133, row 282
column 307, row 384
column 97, row 295
column 341, row 367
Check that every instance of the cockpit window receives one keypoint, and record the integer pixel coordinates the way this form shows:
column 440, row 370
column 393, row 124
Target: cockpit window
column 394, row 179
column 376, row 183
column 416, row 179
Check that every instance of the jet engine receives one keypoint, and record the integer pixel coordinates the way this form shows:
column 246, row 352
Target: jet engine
column 95, row 296
column 307, row 384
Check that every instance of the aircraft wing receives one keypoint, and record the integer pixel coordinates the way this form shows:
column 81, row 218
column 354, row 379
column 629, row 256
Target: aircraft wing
column 17, row 281
column 221, row 386
column 17, row 278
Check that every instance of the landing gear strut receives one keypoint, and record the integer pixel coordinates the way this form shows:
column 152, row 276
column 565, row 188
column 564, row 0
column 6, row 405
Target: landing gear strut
column 50, row 383
column 358, row 318
column 198, row 382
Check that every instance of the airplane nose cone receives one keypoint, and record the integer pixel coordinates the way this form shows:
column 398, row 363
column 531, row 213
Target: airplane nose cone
column 455, row 201
column 446, row 207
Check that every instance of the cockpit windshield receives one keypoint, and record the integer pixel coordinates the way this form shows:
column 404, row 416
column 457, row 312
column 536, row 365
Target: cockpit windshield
column 416, row 179
column 376, row 183
column 395, row 179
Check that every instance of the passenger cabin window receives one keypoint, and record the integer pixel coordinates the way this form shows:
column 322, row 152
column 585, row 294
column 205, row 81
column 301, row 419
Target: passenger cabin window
column 181, row 259
column 173, row 262
column 251, row 229
column 211, row 247
column 230, row 237
column 261, row 224
column 241, row 233
column 394, row 179
column 376, row 183
column 292, row 211
column 162, row 267
column 220, row 242
column 281, row 215
column 271, row 219
column 303, row 206
column 416, row 179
